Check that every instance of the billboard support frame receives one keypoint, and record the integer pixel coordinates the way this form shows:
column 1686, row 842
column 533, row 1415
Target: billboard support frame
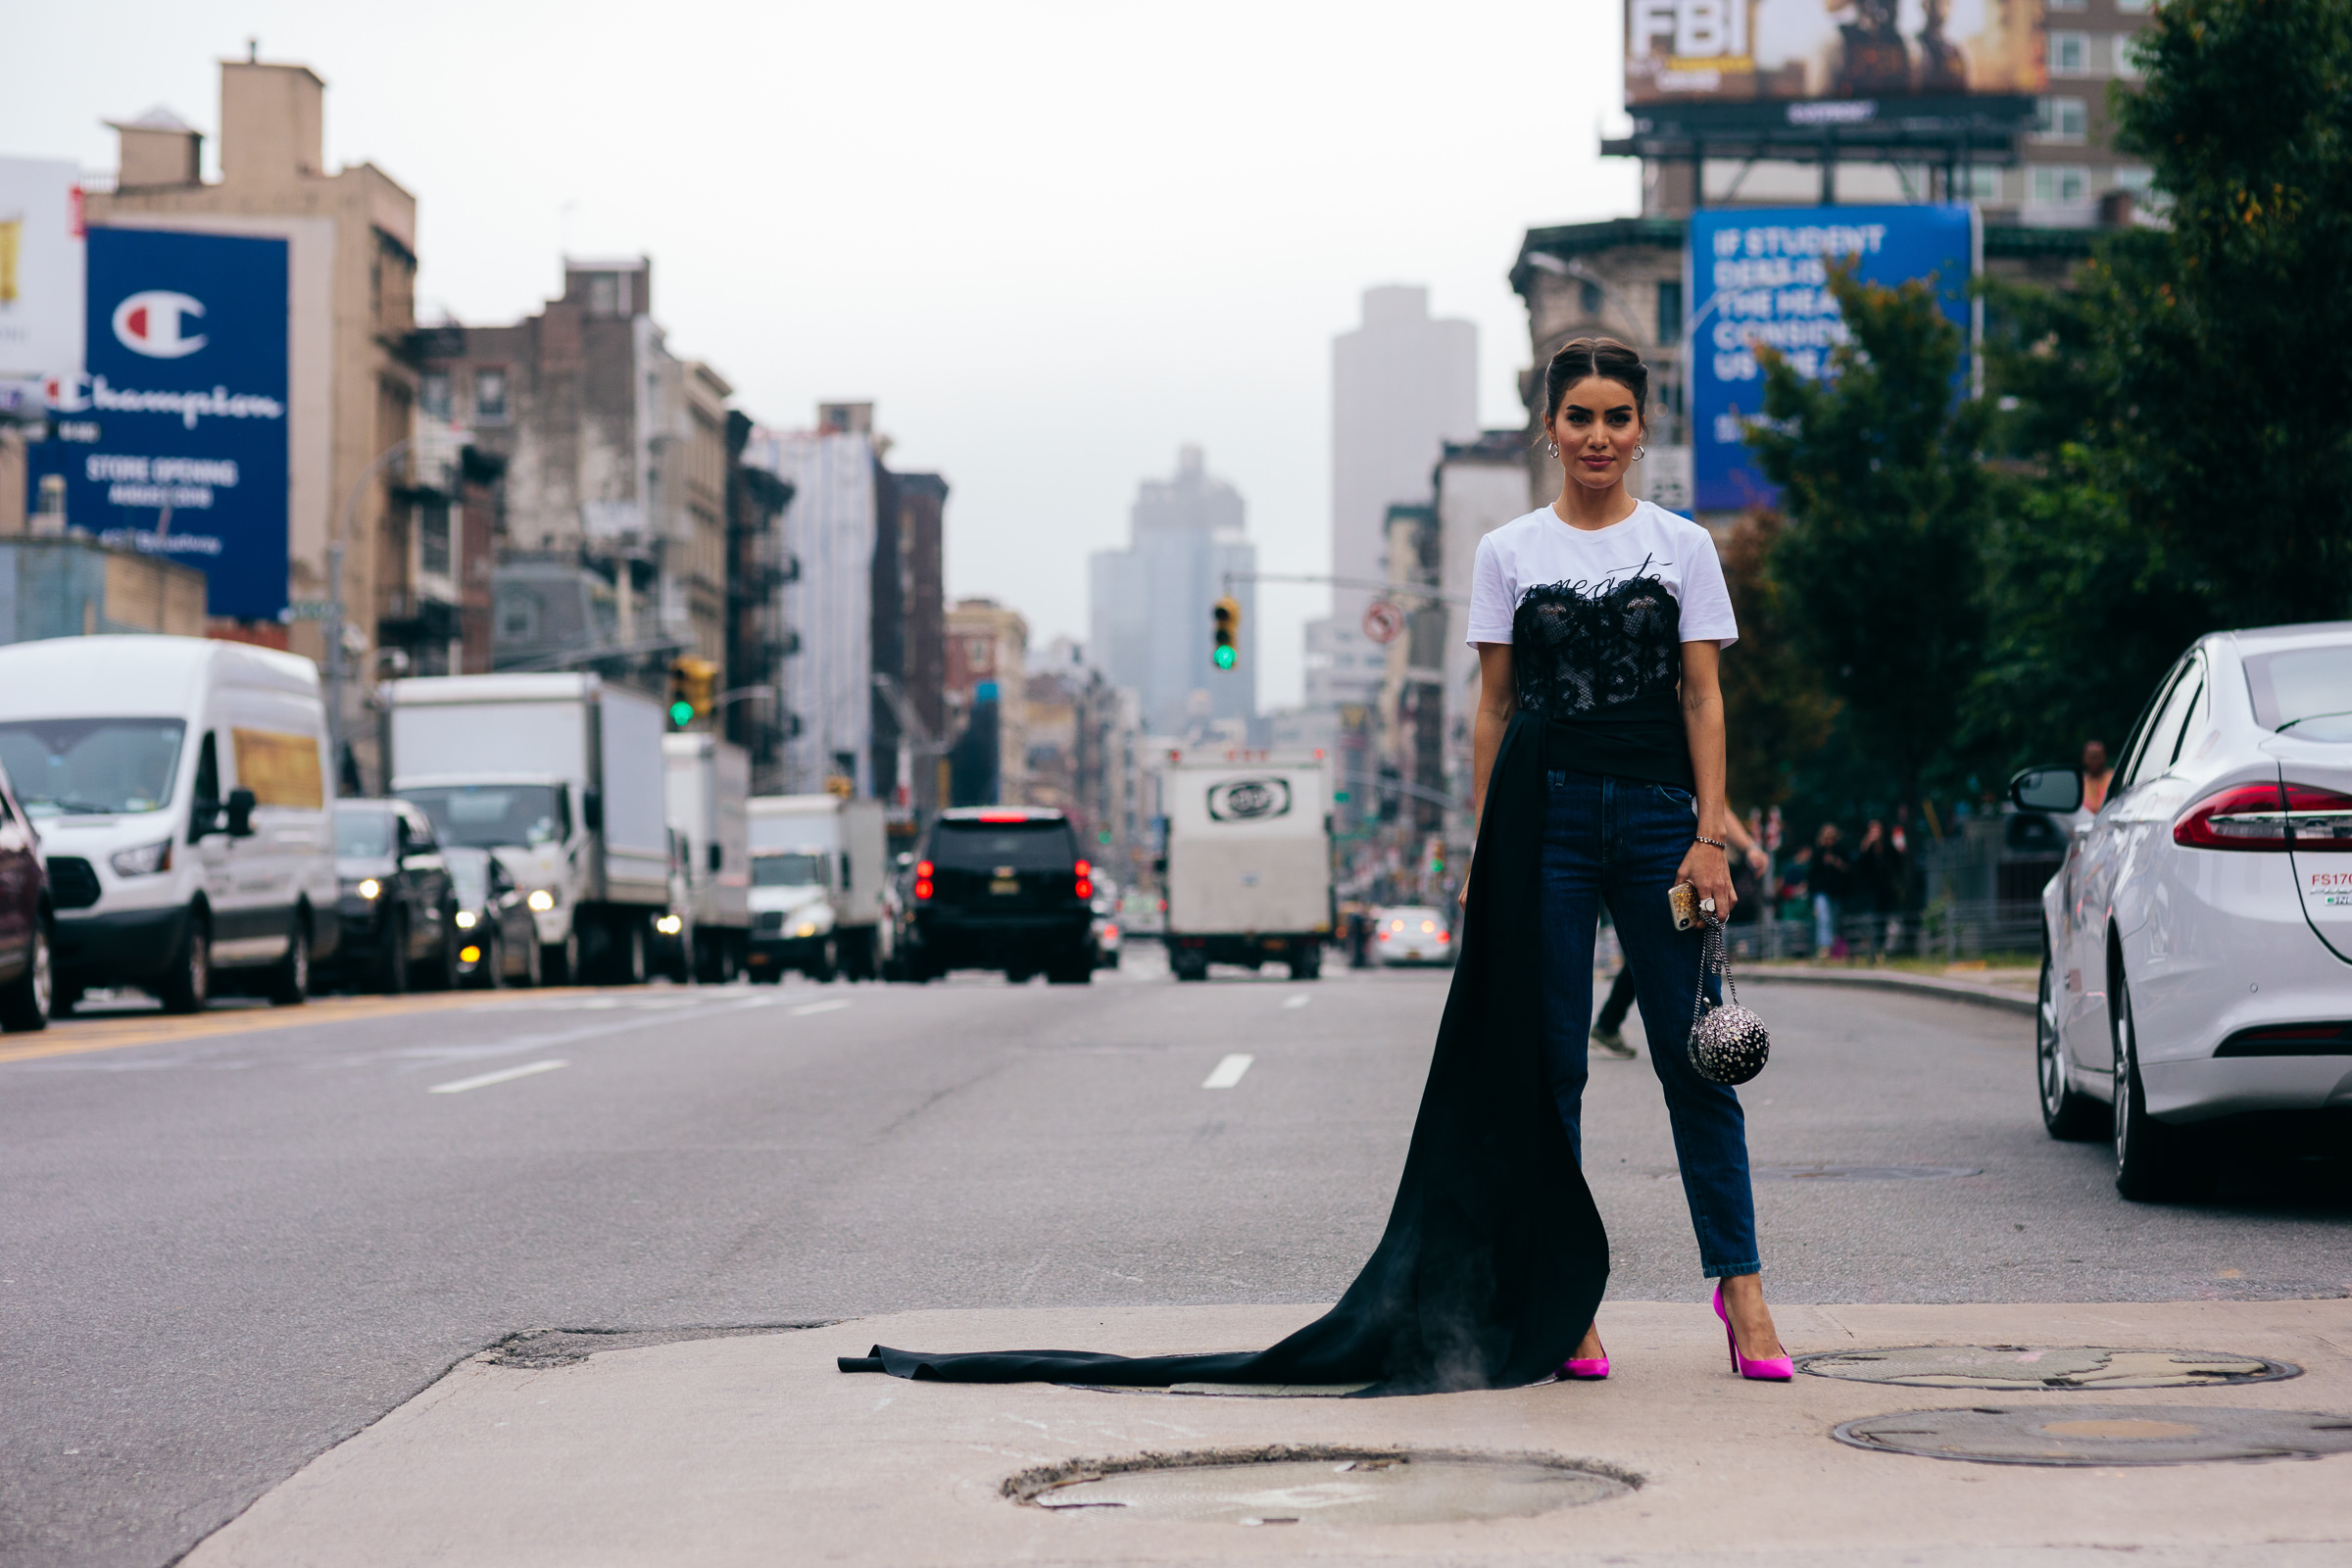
column 1945, row 132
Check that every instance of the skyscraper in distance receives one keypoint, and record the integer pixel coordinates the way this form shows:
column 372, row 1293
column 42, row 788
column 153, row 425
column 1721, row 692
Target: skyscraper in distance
column 1150, row 602
column 1402, row 386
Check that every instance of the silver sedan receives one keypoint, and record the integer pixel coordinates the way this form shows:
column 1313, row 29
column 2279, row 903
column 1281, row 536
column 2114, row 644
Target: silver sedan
column 2197, row 941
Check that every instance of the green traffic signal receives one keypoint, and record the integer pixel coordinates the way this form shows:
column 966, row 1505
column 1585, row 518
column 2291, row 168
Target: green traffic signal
column 1225, row 657
column 681, row 712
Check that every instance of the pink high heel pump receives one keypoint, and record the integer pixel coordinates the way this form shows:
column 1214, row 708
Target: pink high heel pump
column 1587, row 1369
column 1765, row 1369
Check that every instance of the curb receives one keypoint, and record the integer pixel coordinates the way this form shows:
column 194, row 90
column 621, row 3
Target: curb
column 1916, row 985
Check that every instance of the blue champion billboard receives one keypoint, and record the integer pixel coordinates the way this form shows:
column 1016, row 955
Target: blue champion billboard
column 173, row 440
column 1760, row 276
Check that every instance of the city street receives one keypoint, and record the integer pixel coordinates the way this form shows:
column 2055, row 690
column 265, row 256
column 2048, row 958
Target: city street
column 235, row 1240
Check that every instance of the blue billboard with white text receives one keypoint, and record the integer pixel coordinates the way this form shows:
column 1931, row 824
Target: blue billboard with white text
column 174, row 438
column 1760, row 276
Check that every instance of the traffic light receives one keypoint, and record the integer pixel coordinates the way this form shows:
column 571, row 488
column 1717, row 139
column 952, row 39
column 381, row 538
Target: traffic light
column 693, row 688
column 1225, row 630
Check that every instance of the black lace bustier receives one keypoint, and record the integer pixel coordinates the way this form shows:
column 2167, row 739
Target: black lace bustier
column 1574, row 648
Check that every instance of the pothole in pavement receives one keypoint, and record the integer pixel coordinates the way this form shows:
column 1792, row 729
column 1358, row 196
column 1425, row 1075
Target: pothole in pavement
column 2018, row 1368
column 1291, row 1485
column 537, row 1349
column 2102, row 1435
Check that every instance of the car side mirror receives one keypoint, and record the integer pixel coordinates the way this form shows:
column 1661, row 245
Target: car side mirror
column 718, row 858
column 2047, row 789
column 240, row 813
column 592, row 810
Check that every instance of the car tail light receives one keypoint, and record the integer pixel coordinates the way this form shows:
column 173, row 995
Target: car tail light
column 2269, row 816
column 1445, row 937
column 1003, row 817
column 923, row 880
column 1384, row 936
column 1086, row 886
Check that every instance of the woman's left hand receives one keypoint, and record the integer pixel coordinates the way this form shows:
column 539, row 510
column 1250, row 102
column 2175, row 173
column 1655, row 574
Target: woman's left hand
column 1706, row 868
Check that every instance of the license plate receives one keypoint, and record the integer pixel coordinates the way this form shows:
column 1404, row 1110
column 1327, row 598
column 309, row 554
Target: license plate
column 1004, row 884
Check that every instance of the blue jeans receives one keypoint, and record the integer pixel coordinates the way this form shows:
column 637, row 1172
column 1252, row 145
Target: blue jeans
column 1621, row 841
column 1826, row 913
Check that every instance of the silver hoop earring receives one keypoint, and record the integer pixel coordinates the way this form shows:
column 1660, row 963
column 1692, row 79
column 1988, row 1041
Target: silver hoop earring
column 1555, row 449
column 1640, row 452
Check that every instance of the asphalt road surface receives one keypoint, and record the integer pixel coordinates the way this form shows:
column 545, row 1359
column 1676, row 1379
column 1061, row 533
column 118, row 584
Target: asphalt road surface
column 229, row 1242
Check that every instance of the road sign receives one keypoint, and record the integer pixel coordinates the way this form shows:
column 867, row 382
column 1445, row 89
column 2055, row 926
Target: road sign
column 1383, row 622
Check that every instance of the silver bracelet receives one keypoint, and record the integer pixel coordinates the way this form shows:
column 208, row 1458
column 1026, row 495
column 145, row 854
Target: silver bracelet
column 1701, row 838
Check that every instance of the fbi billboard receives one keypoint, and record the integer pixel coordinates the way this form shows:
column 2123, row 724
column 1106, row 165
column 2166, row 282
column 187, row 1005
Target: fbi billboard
column 172, row 437
column 1759, row 277
column 1725, row 50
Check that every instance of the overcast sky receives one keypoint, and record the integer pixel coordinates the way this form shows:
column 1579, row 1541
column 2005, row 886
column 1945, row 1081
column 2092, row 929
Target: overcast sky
column 1051, row 242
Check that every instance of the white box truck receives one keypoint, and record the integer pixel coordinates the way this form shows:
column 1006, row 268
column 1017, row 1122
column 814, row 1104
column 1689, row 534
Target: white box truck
column 562, row 776
column 820, row 868
column 1247, row 873
column 710, row 794
column 185, row 803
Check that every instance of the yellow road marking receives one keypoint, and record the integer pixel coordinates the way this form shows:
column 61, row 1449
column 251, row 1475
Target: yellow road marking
column 79, row 1037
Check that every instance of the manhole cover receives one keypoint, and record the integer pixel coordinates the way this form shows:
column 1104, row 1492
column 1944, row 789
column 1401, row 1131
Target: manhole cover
column 1320, row 1485
column 2101, row 1433
column 1861, row 1173
column 2017, row 1368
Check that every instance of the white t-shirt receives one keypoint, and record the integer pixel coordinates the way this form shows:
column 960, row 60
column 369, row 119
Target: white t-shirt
column 1539, row 548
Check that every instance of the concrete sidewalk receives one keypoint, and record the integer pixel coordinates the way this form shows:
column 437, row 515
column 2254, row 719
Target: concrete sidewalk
column 2009, row 991
column 755, row 1451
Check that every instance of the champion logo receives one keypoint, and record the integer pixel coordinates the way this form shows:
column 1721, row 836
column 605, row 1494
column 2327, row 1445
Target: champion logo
column 155, row 322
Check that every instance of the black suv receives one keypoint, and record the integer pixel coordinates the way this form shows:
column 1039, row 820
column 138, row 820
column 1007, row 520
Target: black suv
column 1002, row 887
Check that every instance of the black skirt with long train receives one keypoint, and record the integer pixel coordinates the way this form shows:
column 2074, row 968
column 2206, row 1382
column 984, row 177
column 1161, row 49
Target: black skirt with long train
column 1494, row 1259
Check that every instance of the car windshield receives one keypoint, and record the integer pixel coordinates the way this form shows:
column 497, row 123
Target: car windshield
column 87, row 767
column 789, row 870
column 363, row 833
column 486, row 816
column 470, row 875
column 1045, row 845
column 2307, row 691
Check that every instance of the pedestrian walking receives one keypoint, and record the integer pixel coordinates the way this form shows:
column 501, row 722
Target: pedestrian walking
column 1879, row 882
column 1831, row 881
column 1599, row 777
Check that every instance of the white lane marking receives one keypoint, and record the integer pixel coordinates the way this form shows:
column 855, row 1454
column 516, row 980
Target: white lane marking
column 818, row 1007
column 1229, row 1072
column 503, row 1075
column 1298, row 1001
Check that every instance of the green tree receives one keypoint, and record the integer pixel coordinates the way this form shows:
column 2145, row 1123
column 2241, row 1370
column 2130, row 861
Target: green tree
column 1776, row 715
column 1887, row 500
column 2226, row 336
column 2178, row 421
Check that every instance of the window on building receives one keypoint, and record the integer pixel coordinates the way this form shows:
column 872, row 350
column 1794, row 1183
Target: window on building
column 1670, row 311
column 1984, row 182
column 2126, row 55
column 432, row 537
column 2134, row 177
column 432, row 394
column 1590, row 297
column 2135, row 7
column 489, row 396
column 2062, row 119
column 603, row 294
column 2060, row 182
column 2070, row 5
column 2069, row 54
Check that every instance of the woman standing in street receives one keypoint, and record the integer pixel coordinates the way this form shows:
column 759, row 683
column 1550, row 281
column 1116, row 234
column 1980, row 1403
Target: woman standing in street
column 1599, row 753
column 1600, row 619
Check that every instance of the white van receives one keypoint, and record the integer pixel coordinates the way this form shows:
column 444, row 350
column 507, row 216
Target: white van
column 183, row 791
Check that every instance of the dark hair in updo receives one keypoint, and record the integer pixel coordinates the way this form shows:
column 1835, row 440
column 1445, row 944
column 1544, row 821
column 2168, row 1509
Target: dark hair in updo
column 1604, row 356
